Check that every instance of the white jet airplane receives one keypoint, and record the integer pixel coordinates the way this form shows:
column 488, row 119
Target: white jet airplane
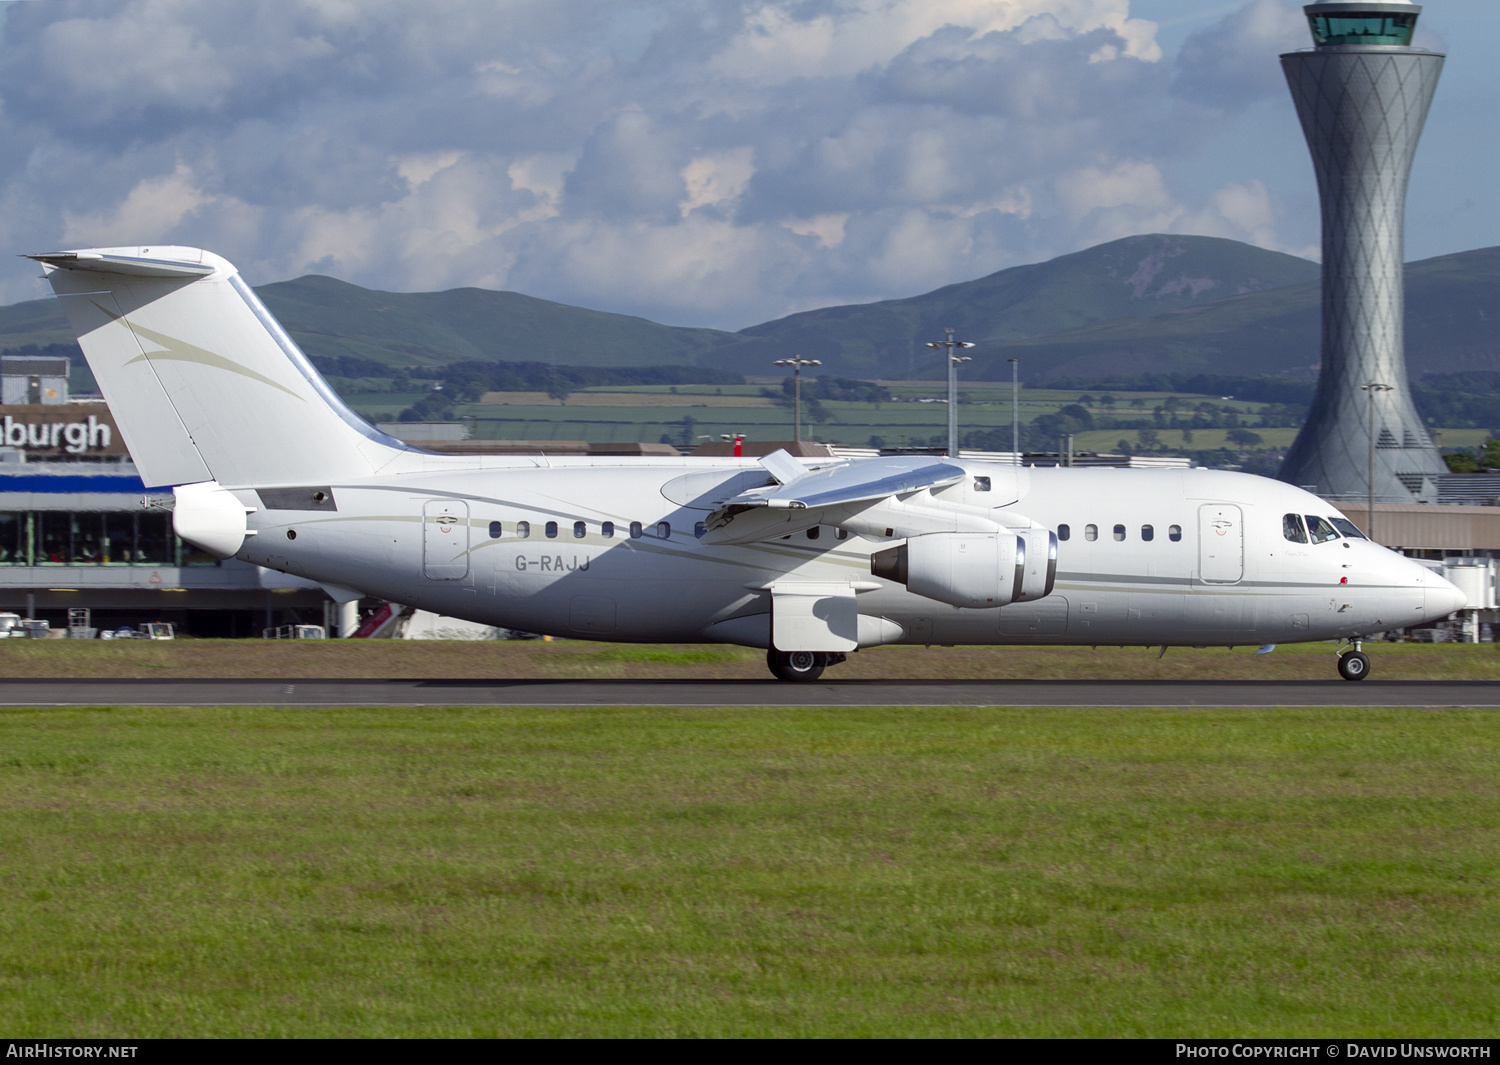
column 808, row 559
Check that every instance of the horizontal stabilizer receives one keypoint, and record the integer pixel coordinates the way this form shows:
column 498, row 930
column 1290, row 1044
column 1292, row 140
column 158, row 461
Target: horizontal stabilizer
column 126, row 265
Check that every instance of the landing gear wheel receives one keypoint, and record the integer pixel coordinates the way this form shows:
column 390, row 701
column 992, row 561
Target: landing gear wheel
column 1354, row 665
column 796, row 665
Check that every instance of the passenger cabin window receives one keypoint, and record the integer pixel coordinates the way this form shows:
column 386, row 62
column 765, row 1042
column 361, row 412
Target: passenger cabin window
column 1319, row 531
column 981, row 484
column 1348, row 528
column 495, row 530
column 523, row 529
column 1119, row 532
column 813, row 533
column 1091, row 532
column 1174, row 533
column 1064, row 531
column 580, row 530
column 1293, row 529
column 663, row 530
column 1148, row 533
column 841, row 534
column 607, row 530
column 636, row 532
column 700, row 530
column 552, row 530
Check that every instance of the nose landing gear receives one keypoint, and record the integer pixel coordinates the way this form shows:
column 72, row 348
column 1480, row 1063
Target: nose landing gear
column 1354, row 664
column 800, row 665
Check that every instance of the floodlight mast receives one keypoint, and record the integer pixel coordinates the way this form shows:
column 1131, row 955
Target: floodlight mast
column 796, row 362
column 1015, row 411
column 949, row 345
column 1370, row 389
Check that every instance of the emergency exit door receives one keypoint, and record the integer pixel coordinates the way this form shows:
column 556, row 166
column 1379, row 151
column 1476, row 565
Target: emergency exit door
column 445, row 539
column 1221, row 543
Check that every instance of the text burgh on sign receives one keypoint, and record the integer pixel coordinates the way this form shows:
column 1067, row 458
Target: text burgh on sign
column 59, row 430
column 73, row 437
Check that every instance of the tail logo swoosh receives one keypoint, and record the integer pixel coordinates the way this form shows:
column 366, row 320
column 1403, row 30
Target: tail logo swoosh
column 175, row 350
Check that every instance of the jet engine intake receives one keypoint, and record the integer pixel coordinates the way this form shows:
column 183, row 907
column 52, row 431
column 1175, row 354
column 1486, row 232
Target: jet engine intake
column 976, row 570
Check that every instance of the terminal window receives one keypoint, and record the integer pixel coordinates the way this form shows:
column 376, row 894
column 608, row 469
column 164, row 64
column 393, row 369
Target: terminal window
column 93, row 538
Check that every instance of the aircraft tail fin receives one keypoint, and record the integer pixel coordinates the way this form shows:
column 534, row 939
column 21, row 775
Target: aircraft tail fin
column 203, row 382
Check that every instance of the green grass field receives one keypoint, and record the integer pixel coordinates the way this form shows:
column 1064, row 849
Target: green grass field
column 457, row 872
column 587, row 660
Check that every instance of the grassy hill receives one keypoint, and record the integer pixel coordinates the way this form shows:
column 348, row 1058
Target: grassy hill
column 328, row 317
column 1146, row 304
column 1126, row 277
column 331, row 317
column 1123, row 279
column 1452, row 325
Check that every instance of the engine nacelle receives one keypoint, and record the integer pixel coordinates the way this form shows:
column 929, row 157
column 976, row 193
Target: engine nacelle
column 976, row 570
column 1040, row 564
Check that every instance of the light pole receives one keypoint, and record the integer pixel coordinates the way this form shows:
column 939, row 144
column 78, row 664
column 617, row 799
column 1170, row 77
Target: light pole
column 796, row 362
column 1370, row 390
column 1015, row 410
column 950, row 345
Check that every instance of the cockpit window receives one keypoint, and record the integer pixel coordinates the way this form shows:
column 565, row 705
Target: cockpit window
column 1348, row 528
column 1293, row 529
column 1319, row 530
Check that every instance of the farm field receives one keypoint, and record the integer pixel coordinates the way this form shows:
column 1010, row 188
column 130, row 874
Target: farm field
column 583, row 660
column 1108, row 439
column 649, row 872
column 650, row 412
column 689, row 414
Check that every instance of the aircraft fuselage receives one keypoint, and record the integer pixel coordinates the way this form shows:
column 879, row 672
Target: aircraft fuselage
column 1177, row 557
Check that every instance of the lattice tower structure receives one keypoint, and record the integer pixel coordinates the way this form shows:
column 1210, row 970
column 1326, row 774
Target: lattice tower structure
column 1362, row 94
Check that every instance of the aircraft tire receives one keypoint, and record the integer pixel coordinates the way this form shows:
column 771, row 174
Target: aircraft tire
column 1354, row 665
column 796, row 665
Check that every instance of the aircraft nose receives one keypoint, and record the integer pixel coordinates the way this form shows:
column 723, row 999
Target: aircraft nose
column 1443, row 598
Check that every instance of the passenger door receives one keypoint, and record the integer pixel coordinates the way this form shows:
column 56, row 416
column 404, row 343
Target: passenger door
column 1221, row 543
column 445, row 539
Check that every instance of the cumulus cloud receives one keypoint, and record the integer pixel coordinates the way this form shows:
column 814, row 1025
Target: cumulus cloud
column 1232, row 63
column 711, row 162
column 155, row 205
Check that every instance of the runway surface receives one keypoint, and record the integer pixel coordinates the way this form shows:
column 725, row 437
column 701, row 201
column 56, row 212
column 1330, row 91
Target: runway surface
column 700, row 693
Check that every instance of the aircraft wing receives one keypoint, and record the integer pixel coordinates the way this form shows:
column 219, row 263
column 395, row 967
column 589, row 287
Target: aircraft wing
column 806, row 497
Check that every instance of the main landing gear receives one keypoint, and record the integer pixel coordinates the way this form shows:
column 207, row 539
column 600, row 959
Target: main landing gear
column 800, row 665
column 1354, row 664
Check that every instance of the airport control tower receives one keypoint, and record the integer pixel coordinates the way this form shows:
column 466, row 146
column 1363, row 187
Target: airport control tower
column 1362, row 94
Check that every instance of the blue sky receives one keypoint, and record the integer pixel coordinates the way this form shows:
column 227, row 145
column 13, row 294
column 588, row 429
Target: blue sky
column 701, row 162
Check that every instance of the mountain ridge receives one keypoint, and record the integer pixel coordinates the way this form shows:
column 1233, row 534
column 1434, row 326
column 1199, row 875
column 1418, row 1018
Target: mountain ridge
column 1146, row 304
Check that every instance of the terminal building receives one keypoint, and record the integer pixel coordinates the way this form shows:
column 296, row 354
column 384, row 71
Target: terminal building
column 74, row 532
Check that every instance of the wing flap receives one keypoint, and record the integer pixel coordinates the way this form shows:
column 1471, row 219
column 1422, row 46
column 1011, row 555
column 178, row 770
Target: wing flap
column 782, row 466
